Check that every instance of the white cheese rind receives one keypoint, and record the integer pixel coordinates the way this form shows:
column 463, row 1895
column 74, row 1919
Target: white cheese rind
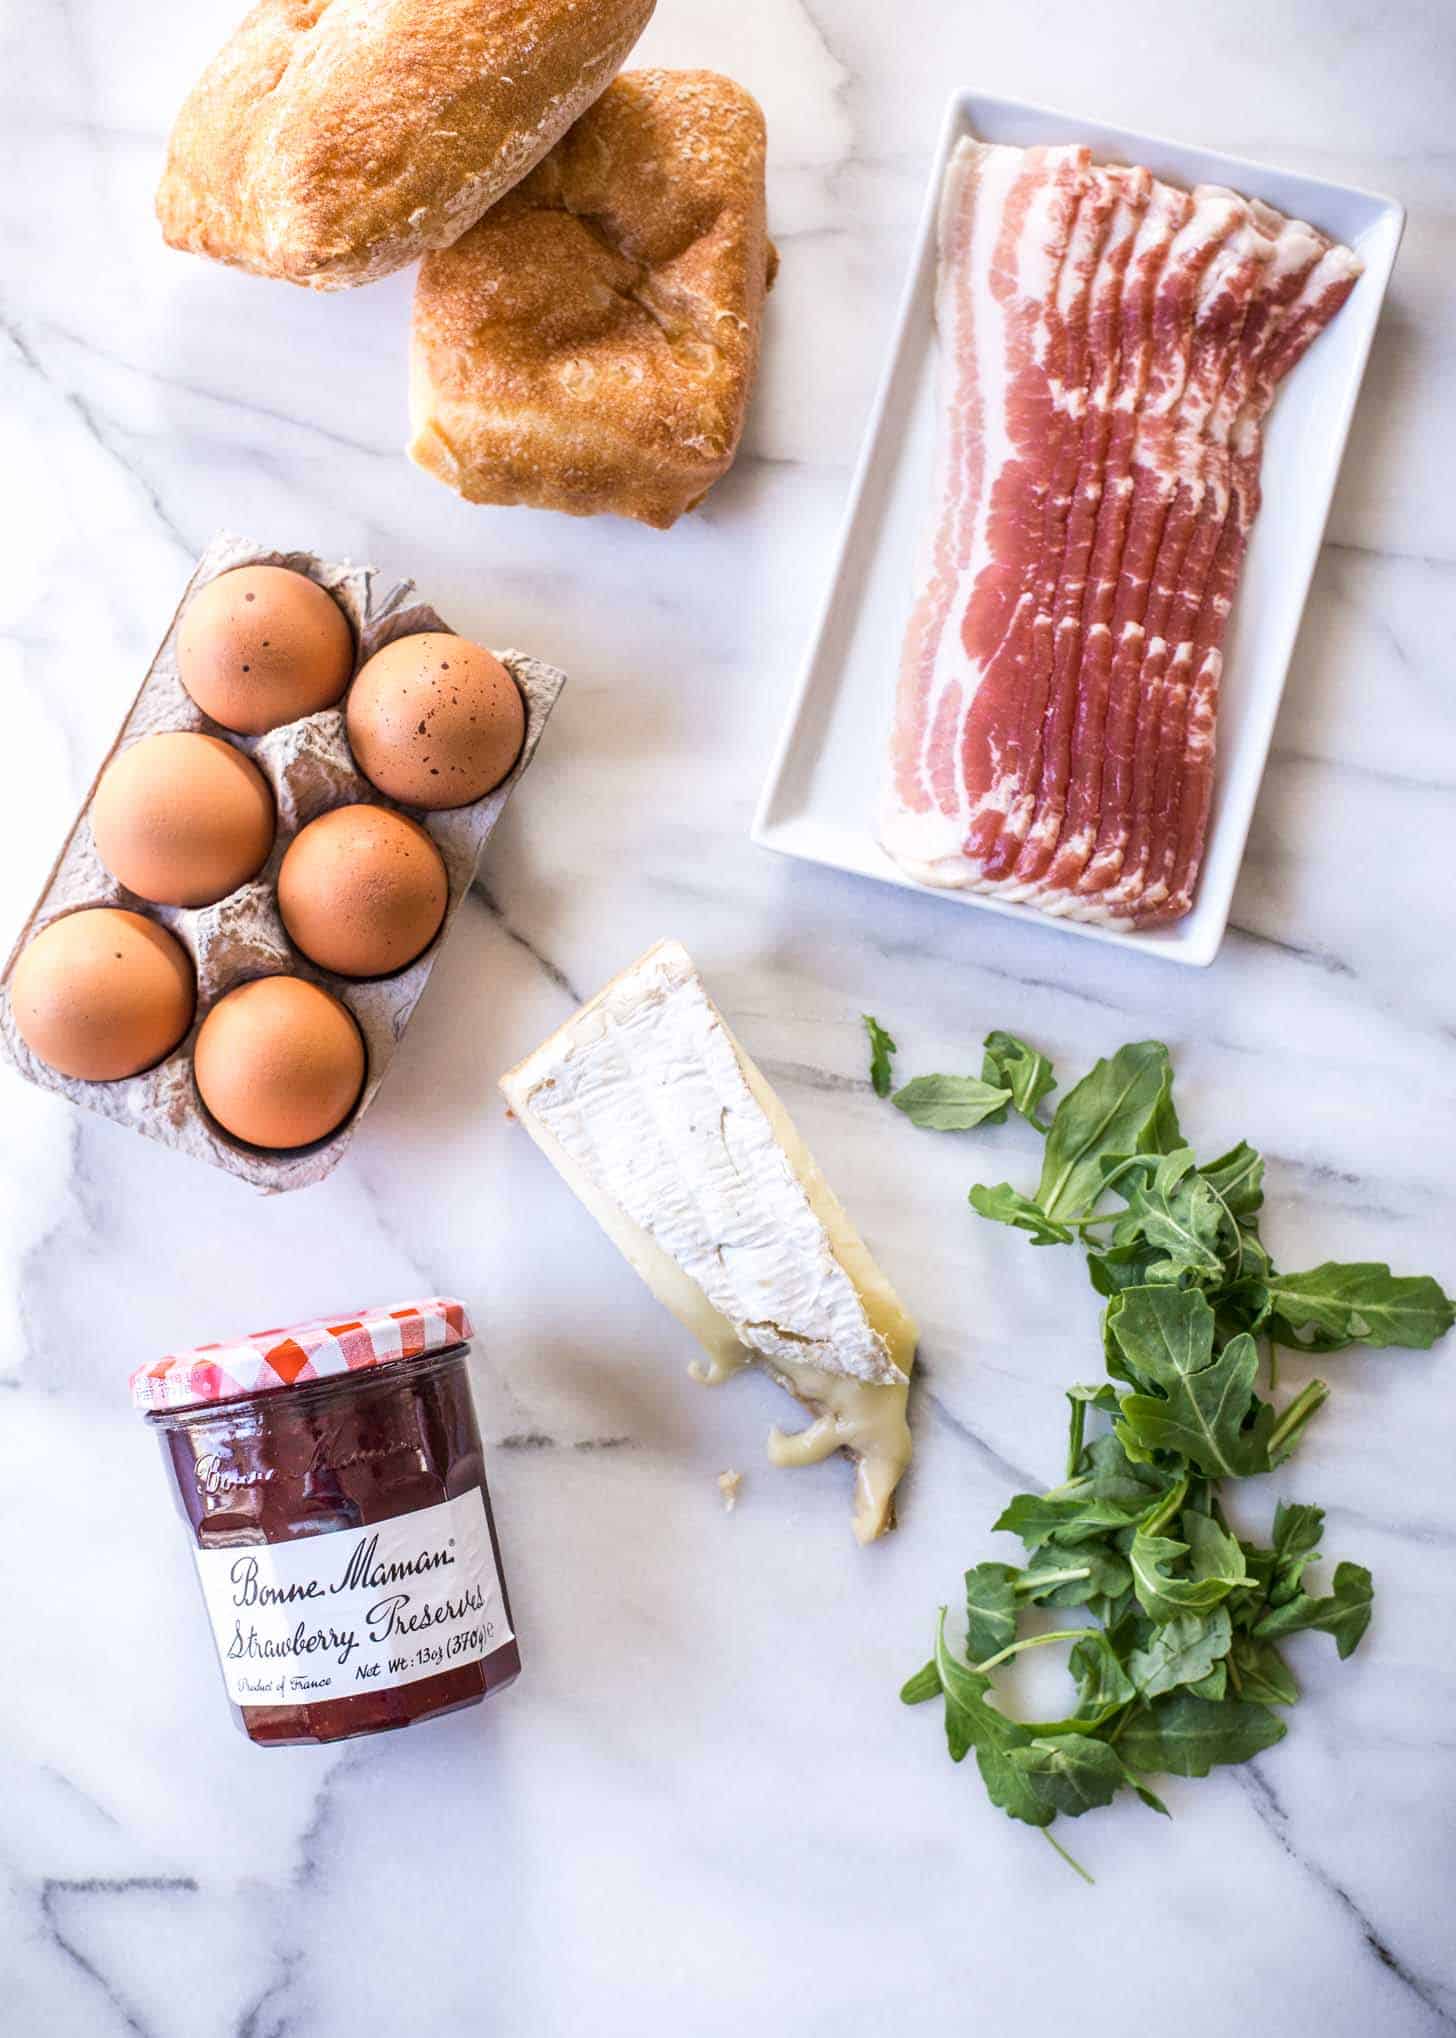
column 648, row 1096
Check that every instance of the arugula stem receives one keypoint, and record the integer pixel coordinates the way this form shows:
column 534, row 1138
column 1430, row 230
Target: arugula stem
column 1031, row 1642
column 1273, row 1365
column 1172, row 1501
column 1037, row 1581
column 1070, row 1489
column 1070, row 1859
column 1296, row 1415
column 1075, row 1435
column 1133, row 1160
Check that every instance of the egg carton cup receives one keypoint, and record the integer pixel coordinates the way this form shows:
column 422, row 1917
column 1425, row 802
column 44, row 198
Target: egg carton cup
column 311, row 769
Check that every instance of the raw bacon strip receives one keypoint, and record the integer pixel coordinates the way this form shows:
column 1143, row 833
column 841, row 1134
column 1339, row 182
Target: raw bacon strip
column 1116, row 378
column 998, row 628
column 1232, row 280
column 960, row 468
column 1166, row 213
column 1155, row 479
column 1330, row 283
column 1127, row 197
column 1067, row 373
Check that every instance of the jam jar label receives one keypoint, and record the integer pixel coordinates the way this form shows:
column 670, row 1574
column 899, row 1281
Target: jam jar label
column 354, row 1610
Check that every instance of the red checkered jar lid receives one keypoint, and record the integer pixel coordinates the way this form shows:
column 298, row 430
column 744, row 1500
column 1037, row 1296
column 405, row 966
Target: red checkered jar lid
column 302, row 1352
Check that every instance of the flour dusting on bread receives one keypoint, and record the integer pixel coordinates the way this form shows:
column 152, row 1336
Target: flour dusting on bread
column 590, row 345
column 332, row 141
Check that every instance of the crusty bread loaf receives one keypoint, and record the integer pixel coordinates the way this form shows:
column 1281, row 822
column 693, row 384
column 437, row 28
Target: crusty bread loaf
column 591, row 344
column 331, row 141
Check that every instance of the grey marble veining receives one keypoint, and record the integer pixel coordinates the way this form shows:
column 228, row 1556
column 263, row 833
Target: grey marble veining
column 702, row 1808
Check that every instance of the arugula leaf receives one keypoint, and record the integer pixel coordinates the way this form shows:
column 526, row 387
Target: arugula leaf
column 1110, row 1474
column 1242, row 1306
column 1162, row 1333
column 1335, row 1305
column 1026, row 1072
column 1216, row 1567
column 1039, row 1519
column 1174, row 1210
column 971, row 1723
column 990, row 1610
column 1208, row 1411
column 1111, row 1612
column 1121, row 1107
column 1344, row 1613
column 1238, row 1179
column 1205, row 1416
column 1181, row 1651
column 1248, row 1604
column 1181, row 1735
column 1214, row 1685
column 1242, row 1301
column 948, row 1103
column 1049, row 1579
column 1256, row 1266
column 1103, row 1684
column 881, row 1049
column 923, row 1685
column 964, row 1690
column 1069, row 1773
column 1123, row 1266
column 1297, row 1532
column 1006, row 1205
column 1298, row 1528
column 1005, row 1785
column 1262, row 1673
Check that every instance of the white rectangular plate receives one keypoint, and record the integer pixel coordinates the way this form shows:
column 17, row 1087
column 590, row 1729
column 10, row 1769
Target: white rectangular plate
column 824, row 787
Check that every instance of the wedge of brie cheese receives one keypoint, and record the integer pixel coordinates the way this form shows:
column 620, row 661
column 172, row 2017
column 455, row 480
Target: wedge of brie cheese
column 657, row 1119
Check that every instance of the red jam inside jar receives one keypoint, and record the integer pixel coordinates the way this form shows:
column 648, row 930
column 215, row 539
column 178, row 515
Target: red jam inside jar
column 333, row 1480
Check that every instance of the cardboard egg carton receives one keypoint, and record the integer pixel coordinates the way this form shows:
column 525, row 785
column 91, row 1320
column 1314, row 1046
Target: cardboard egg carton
column 310, row 768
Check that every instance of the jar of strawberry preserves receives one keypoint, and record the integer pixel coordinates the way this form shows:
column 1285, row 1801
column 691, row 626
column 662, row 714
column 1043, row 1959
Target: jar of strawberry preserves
column 332, row 1477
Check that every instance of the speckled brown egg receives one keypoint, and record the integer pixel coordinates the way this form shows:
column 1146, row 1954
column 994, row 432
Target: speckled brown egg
column 435, row 721
column 102, row 994
column 182, row 819
column 261, row 646
column 362, row 891
column 279, row 1063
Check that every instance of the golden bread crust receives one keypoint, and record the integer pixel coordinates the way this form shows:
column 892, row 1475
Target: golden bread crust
column 590, row 345
column 332, row 141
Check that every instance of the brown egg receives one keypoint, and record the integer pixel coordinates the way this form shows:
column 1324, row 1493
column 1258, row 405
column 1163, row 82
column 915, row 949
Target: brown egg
column 435, row 721
column 261, row 646
column 102, row 994
column 362, row 891
column 279, row 1063
column 182, row 819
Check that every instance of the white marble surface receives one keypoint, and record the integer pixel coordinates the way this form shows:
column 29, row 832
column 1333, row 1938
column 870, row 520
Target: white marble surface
column 702, row 1808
